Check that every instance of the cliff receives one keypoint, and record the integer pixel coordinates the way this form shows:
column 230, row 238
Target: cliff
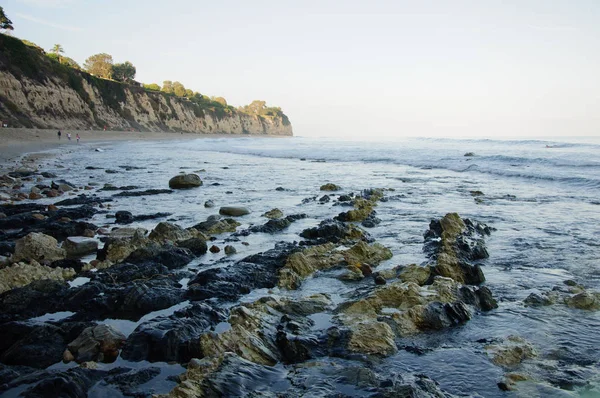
column 38, row 92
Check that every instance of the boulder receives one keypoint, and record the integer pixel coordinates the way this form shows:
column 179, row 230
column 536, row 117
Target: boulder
column 233, row 211
column 209, row 203
column 197, row 246
column 184, row 181
column 77, row 246
column 584, row 301
column 99, row 343
column 510, row 352
column 374, row 338
column 330, row 187
column 214, row 226
column 123, row 217
column 39, row 247
column 273, row 214
column 166, row 231
column 22, row 274
column 230, row 250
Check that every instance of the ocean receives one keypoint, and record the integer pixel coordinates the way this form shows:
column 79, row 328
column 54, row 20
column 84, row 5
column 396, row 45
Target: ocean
column 542, row 197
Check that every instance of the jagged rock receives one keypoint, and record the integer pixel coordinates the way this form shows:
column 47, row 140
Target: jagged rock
column 118, row 249
column 215, row 226
column 172, row 338
column 414, row 273
column 375, row 338
column 273, row 214
column 74, row 383
column 128, row 382
column 233, row 211
column 170, row 256
column 197, row 246
column 209, row 203
column 511, row 352
column 82, row 200
column 230, row 250
column 39, row 247
column 330, row 187
column 538, row 300
column 77, row 246
column 99, row 343
column 276, row 225
column 306, row 262
column 335, row 231
column 166, row 231
column 123, row 217
column 75, row 264
column 184, row 181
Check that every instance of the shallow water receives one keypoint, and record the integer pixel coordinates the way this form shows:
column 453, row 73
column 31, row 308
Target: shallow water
column 542, row 201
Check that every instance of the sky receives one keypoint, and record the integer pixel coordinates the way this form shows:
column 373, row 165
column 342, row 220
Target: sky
column 355, row 69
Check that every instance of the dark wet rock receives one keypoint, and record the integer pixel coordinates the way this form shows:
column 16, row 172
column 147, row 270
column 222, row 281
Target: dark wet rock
column 469, row 154
column 378, row 279
column 47, row 174
column 129, row 168
column 82, row 200
column 185, row 181
column 109, row 187
column 439, row 316
column 170, row 256
column 129, row 381
column 7, row 248
column 253, row 272
column 94, row 168
column 21, row 173
column 280, row 189
column 479, row 297
column 12, row 209
column 230, row 250
column 371, row 221
column 72, row 383
column 59, row 230
column 169, row 232
column 100, row 343
column 76, row 264
column 234, row 211
column 291, row 348
column 334, row 231
column 172, row 338
column 214, row 249
column 110, row 171
column 37, row 298
column 197, row 246
column 37, row 345
column 276, row 225
column 124, row 273
column 273, row 214
column 324, row 199
column 345, row 198
column 123, row 217
column 209, row 203
column 147, row 192
column 145, row 297
column 308, row 200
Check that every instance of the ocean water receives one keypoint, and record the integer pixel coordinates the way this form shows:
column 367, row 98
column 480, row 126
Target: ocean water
column 541, row 196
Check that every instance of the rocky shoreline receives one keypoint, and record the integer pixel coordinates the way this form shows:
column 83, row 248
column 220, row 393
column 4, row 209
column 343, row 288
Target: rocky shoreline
column 54, row 260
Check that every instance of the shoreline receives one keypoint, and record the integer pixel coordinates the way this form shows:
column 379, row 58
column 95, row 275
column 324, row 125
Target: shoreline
column 18, row 142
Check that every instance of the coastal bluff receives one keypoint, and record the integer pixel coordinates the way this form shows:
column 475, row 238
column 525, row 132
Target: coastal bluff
column 38, row 92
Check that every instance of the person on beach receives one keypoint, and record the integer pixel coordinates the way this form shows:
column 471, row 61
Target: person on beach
column 69, row 136
column 59, row 134
column 77, row 136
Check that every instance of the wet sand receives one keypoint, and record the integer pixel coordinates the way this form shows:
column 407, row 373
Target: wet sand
column 16, row 142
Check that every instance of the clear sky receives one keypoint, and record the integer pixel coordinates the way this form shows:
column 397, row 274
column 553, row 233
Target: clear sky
column 355, row 68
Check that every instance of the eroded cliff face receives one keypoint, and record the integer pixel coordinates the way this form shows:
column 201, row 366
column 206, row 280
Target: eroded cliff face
column 36, row 93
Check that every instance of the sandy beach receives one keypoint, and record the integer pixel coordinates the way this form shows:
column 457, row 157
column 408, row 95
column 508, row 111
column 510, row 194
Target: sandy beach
column 15, row 142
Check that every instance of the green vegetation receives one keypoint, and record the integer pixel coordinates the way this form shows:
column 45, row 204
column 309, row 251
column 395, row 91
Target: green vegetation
column 57, row 49
column 124, row 72
column 5, row 23
column 152, row 87
column 100, row 65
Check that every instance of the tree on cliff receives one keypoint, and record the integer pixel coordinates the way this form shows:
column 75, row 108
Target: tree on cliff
column 99, row 65
column 220, row 100
column 256, row 107
column 58, row 49
column 5, row 23
column 167, row 87
column 178, row 89
column 123, row 72
column 152, row 87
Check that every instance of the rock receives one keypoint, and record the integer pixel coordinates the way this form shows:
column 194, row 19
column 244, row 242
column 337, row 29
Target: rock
column 100, row 343
column 169, row 232
column 275, row 225
column 511, row 352
column 35, row 196
column 379, row 280
column 21, row 173
column 230, row 250
column 324, row 199
column 330, row 187
column 47, row 174
column 77, row 246
column 184, row 181
column 147, row 192
column 335, row 231
column 74, row 264
column 214, row 249
column 538, row 300
column 22, row 274
column 209, row 203
column 128, row 382
column 74, row 383
column 216, row 226
column 414, row 273
column 273, row 214
column 197, row 246
column 374, row 338
column 172, row 338
column 168, row 255
column 233, row 211
column 117, row 249
column 39, row 247
column 65, row 187
column 584, row 301
column 123, row 217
